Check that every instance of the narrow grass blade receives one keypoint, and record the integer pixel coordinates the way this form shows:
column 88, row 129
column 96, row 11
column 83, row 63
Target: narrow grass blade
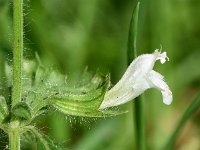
column 131, row 54
column 186, row 116
column 132, row 37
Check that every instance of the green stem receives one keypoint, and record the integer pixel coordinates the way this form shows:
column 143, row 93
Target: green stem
column 186, row 116
column 14, row 135
column 139, row 123
column 14, row 140
column 17, row 51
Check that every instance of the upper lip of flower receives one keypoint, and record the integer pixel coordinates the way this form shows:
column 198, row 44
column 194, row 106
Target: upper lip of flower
column 139, row 77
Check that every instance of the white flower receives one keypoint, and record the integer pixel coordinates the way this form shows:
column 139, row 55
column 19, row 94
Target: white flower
column 139, row 77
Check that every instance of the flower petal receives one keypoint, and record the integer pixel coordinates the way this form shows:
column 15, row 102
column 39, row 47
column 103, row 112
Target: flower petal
column 162, row 57
column 157, row 81
column 114, row 99
column 125, row 93
column 142, row 65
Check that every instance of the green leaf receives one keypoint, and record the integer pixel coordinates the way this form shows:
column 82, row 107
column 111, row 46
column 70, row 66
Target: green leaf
column 22, row 110
column 3, row 109
column 40, row 138
column 49, row 77
column 195, row 105
column 43, row 141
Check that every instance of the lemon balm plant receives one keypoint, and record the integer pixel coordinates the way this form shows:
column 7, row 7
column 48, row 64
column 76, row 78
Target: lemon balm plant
column 45, row 89
column 31, row 98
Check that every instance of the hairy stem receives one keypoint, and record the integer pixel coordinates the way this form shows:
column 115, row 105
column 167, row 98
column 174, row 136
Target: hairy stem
column 17, row 51
column 2, row 71
column 14, row 140
column 14, row 135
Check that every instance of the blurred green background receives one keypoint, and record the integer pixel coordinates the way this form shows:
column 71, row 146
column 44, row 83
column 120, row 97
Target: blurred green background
column 74, row 34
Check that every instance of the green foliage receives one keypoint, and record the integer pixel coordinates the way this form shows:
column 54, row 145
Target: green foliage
column 21, row 111
column 3, row 109
column 39, row 140
column 49, row 89
column 52, row 88
column 43, row 142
